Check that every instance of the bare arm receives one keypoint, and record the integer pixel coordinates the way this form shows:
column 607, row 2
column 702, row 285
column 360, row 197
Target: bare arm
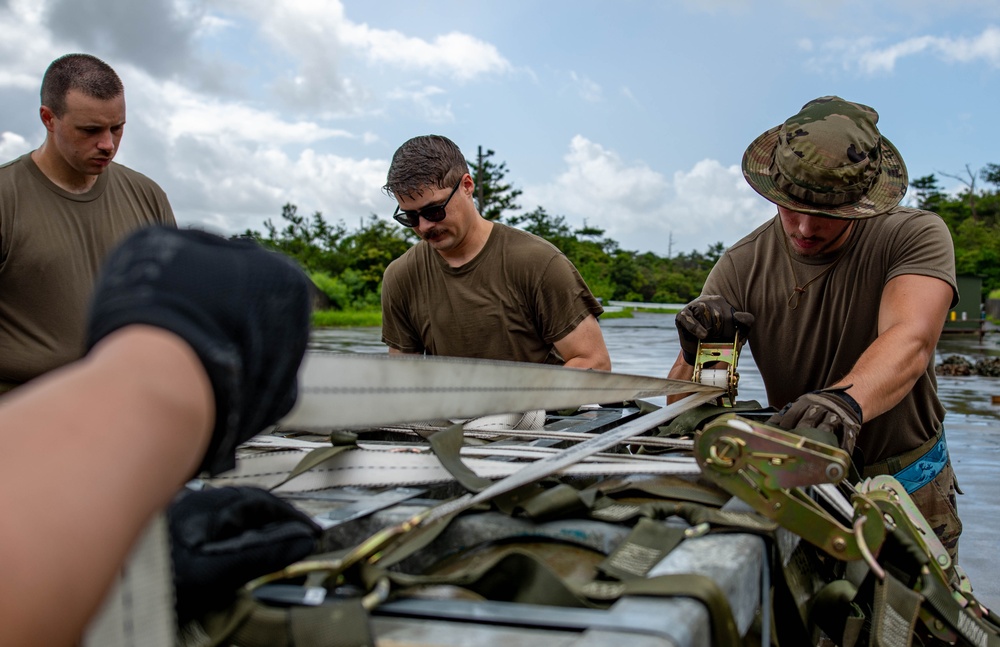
column 92, row 451
column 911, row 315
column 396, row 351
column 681, row 370
column 584, row 346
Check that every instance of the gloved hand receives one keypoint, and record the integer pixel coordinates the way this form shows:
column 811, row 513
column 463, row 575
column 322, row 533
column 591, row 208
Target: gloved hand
column 830, row 410
column 709, row 318
column 220, row 539
column 244, row 311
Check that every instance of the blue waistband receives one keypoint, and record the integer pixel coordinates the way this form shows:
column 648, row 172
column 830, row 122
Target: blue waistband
column 923, row 470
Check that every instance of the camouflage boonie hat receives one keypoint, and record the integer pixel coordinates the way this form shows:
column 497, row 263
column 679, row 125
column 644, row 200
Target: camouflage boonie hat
column 828, row 160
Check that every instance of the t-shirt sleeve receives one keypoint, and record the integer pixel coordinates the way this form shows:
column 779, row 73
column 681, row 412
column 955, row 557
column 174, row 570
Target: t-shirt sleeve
column 922, row 245
column 397, row 329
column 563, row 299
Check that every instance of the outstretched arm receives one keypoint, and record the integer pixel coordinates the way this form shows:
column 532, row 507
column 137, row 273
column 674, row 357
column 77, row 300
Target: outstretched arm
column 90, row 453
column 194, row 346
column 584, row 346
column 912, row 313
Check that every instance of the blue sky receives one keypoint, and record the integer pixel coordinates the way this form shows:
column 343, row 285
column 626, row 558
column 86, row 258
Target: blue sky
column 630, row 116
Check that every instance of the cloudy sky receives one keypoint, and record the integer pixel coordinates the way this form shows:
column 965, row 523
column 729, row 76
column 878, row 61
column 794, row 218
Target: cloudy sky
column 628, row 115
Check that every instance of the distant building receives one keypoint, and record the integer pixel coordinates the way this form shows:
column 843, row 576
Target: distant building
column 968, row 315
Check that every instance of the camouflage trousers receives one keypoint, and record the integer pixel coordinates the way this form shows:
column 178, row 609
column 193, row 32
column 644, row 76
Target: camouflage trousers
column 937, row 502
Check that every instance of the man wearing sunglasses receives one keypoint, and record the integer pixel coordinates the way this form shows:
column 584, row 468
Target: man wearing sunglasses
column 476, row 288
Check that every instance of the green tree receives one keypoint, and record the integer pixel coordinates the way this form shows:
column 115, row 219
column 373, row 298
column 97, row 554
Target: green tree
column 494, row 197
column 928, row 193
column 991, row 174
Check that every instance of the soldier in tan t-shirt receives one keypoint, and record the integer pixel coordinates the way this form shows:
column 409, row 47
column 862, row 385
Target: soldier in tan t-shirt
column 476, row 288
column 63, row 207
column 842, row 296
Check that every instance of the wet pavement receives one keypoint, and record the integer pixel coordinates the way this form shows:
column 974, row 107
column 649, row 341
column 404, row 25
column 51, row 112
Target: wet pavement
column 647, row 345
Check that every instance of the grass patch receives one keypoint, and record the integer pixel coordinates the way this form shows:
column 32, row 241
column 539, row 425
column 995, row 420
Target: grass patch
column 659, row 311
column 624, row 313
column 994, row 294
column 346, row 318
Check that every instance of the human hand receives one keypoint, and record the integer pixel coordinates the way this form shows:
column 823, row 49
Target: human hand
column 830, row 410
column 709, row 318
column 220, row 539
column 243, row 310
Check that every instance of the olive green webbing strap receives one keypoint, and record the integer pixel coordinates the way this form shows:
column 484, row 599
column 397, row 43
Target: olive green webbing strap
column 894, row 464
column 699, row 587
column 974, row 630
column 340, row 441
column 894, row 614
column 645, row 547
column 249, row 623
column 694, row 419
column 518, row 576
column 447, row 446
column 834, row 610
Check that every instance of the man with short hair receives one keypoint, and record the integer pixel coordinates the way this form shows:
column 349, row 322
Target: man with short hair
column 63, row 207
column 842, row 298
column 476, row 288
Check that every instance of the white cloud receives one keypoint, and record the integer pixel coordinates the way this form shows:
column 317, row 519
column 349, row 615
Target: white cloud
column 984, row 47
column 187, row 114
column 13, row 145
column 644, row 210
column 255, row 184
column 458, row 55
column 319, row 40
column 588, row 89
column 422, row 99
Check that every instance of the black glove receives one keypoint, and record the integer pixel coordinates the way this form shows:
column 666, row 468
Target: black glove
column 829, row 410
column 244, row 311
column 709, row 318
column 221, row 539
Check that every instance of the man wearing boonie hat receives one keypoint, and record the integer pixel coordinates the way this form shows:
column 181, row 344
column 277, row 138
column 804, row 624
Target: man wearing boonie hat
column 842, row 297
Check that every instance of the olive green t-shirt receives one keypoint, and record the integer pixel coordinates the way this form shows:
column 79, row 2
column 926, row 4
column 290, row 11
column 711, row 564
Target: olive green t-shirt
column 836, row 319
column 52, row 244
column 513, row 301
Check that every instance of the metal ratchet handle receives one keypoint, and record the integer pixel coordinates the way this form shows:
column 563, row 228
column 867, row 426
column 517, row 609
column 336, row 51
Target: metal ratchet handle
column 764, row 465
column 786, row 460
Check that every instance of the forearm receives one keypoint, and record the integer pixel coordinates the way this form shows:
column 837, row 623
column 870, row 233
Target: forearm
column 120, row 432
column 681, row 370
column 911, row 315
column 880, row 379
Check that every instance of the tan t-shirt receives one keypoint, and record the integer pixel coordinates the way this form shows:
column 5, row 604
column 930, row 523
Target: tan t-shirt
column 836, row 319
column 517, row 297
column 52, row 244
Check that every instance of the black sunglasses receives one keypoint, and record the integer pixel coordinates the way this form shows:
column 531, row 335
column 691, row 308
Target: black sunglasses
column 433, row 213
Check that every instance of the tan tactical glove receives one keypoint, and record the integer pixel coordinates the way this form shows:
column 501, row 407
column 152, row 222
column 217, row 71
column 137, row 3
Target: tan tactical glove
column 709, row 318
column 830, row 410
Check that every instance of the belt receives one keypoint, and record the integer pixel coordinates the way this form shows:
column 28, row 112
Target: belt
column 917, row 467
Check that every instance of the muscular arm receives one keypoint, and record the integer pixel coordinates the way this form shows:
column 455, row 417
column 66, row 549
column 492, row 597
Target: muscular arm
column 91, row 452
column 584, row 346
column 911, row 315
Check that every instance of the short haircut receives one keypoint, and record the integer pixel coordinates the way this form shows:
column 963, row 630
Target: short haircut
column 423, row 162
column 82, row 72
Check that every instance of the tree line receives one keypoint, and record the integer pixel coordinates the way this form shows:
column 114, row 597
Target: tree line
column 973, row 217
column 347, row 265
